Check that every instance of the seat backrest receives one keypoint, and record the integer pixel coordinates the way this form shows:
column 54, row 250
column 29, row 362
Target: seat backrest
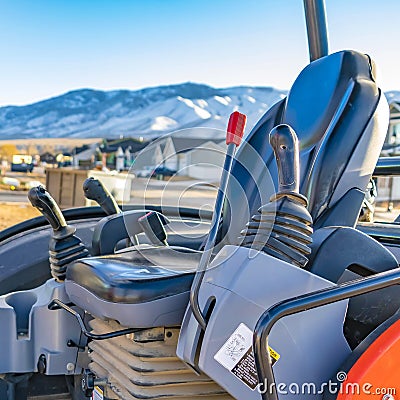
column 341, row 117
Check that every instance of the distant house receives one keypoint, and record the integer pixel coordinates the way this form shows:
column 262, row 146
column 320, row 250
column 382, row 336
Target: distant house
column 158, row 156
column 391, row 147
column 120, row 154
column 204, row 162
column 393, row 135
column 64, row 159
column 48, row 158
column 199, row 158
column 194, row 157
column 84, row 156
column 22, row 163
column 175, row 147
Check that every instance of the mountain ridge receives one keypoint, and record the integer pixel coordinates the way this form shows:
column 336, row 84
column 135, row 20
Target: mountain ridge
column 148, row 112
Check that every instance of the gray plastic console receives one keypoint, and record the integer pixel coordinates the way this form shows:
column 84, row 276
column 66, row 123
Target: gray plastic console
column 243, row 283
column 30, row 330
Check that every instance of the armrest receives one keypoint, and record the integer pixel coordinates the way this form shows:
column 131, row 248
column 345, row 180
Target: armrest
column 114, row 228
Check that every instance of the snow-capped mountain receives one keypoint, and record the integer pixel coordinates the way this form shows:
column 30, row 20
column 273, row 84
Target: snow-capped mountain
column 148, row 112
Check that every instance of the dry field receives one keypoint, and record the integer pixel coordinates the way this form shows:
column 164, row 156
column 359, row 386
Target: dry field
column 11, row 214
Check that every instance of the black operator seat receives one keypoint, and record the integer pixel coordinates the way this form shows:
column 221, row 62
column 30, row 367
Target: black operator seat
column 340, row 116
column 145, row 274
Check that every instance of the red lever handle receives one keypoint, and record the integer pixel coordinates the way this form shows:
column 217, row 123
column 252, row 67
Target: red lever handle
column 236, row 125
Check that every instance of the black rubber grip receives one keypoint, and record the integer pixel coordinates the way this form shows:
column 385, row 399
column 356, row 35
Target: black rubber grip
column 283, row 140
column 96, row 191
column 41, row 199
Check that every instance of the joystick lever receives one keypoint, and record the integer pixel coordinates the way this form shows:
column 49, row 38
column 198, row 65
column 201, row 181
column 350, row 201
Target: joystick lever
column 64, row 246
column 285, row 144
column 96, row 191
column 283, row 227
column 40, row 198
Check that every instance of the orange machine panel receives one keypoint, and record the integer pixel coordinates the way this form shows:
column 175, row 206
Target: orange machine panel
column 376, row 374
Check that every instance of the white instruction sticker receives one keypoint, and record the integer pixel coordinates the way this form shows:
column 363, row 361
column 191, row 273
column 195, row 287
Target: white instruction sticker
column 235, row 347
column 97, row 394
column 237, row 356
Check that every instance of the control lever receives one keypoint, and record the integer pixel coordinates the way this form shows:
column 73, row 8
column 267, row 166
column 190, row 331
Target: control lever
column 153, row 228
column 64, row 246
column 285, row 144
column 283, row 227
column 96, row 191
column 234, row 134
column 41, row 199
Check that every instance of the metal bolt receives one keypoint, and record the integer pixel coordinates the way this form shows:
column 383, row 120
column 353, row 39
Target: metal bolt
column 41, row 365
column 70, row 367
column 87, row 382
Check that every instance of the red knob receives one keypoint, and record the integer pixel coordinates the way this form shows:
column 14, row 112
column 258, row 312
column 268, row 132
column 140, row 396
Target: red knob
column 236, row 125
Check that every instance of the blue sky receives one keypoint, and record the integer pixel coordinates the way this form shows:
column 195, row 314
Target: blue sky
column 48, row 47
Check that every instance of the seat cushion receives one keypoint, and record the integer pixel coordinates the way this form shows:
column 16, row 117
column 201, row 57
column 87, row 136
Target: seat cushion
column 137, row 275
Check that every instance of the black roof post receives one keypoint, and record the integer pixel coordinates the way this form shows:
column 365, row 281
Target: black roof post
column 317, row 30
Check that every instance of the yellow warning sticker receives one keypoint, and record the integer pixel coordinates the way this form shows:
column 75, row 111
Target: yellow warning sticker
column 275, row 356
column 97, row 394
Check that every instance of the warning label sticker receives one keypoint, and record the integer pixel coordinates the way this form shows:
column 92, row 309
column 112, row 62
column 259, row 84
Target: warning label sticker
column 97, row 394
column 246, row 371
column 237, row 356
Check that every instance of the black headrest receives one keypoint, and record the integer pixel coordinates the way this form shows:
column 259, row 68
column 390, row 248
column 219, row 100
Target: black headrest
column 318, row 91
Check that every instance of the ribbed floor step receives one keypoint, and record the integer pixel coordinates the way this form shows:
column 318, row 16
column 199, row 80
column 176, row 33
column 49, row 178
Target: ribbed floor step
column 137, row 369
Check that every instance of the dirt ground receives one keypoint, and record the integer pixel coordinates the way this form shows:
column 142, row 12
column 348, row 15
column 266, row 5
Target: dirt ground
column 11, row 214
